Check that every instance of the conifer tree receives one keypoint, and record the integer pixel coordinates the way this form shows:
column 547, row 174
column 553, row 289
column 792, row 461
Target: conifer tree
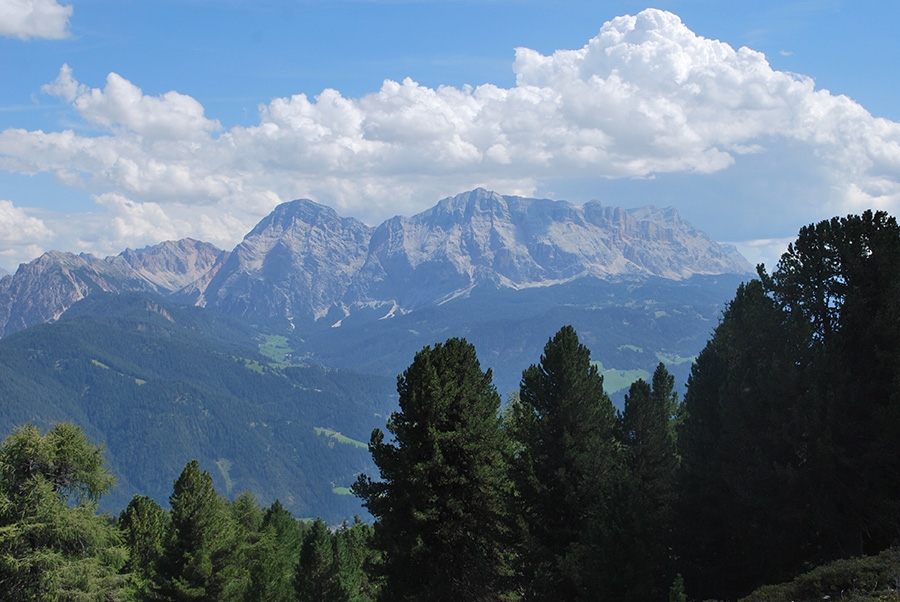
column 566, row 469
column 274, row 557
column 143, row 525
column 750, row 445
column 647, row 430
column 198, row 562
column 315, row 578
column 439, row 507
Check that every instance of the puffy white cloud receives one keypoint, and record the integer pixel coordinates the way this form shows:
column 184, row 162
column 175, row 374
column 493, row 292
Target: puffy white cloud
column 18, row 227
column 645, row 97
column 26, row 19
column 22, row 236
column 123, row 106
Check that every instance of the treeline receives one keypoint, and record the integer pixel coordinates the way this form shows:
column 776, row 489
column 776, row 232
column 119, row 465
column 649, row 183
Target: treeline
column 784, row 454
column 55, row 546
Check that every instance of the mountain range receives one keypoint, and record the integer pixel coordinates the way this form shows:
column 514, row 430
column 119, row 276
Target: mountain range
column 272, row 362
column 304, row 262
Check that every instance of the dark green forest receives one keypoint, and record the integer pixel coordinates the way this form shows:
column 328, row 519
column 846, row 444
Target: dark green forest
column 775, row 477
column 162, row 384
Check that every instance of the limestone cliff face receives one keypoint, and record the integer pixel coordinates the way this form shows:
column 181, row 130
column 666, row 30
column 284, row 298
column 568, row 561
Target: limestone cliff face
column 304, row 261
column 295, row 264
column 40, row 291
column 518, row 242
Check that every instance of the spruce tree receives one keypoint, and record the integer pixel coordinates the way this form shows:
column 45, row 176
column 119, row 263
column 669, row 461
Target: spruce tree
column 566, row 468
column 439, row 507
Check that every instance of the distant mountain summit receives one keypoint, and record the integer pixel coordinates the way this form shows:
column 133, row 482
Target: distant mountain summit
column 41, row 290
column 304, row 261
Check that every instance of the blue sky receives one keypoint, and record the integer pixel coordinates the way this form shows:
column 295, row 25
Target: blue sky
column 126, row 123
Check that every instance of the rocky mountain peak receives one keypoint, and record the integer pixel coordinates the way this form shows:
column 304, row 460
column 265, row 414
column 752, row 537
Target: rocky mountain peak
column 41, row 290
column 303, row 260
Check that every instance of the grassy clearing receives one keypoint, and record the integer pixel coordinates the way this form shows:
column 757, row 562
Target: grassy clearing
column 616, row 380
column 339, row 438
column 275, row 348
column 224, row 466
column 675, row 361
column 631, row 348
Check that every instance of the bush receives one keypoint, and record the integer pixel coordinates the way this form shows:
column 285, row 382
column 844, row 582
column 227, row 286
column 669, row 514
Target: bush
column 867, row 579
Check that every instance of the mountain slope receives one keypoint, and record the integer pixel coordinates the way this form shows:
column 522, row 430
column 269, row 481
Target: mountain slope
column 161, row 384
column 292, row 265
column 304, row 262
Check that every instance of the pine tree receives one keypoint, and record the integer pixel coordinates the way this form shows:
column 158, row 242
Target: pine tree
column 315, row 578
column 143, row 525
column 198, row 562
column 439, row 507
column 647, row 430
column 274, row 558
column 566, row 469
column 750, row 443
column 789, row 446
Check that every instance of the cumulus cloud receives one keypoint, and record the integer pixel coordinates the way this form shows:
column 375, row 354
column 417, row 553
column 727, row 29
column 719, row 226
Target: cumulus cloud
column 22, row 237
column 645, row 97
column 26, row 19
column 18, row 227
column 123, row 106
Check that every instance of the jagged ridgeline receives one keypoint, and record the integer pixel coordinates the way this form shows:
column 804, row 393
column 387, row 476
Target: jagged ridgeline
column 160, row 384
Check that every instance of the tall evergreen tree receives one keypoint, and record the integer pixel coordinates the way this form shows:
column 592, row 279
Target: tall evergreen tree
column 566, row 468
column 143, row 525
column 439, row 507
column 274, row 557
column 790, row 453
column 647, row 430
column 747, row 506
column 354, row 556
column 842, row 277
column 198, row 561
column 316, row 577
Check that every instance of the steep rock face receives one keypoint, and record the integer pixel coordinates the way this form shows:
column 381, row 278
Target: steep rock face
column 41, row 290
column 517, row 242
column 171, row 265
column 295, row 264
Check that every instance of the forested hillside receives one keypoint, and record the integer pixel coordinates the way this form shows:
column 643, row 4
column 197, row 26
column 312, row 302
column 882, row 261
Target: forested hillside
column 160, row 384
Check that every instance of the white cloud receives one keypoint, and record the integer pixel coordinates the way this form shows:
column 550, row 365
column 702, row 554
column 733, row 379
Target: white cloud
column 22, row 237
column 18, row 227
column 123, row 106
column 645, row 97
column 26, row 19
